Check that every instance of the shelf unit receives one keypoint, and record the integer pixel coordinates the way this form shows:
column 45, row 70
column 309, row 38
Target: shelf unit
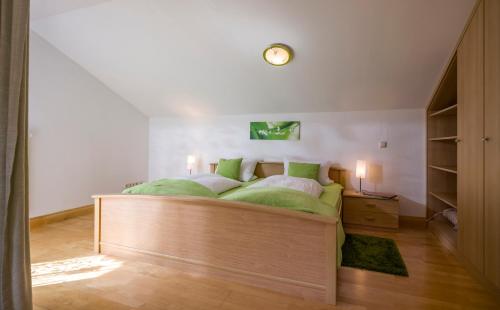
column 442, row 154
column 449, row 169
column 448, row 198
column 445, row 232
column 451, row 110
column 450, row 138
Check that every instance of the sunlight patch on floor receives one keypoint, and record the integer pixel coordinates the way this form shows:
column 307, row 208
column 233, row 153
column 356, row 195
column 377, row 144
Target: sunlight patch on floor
column 73, row 269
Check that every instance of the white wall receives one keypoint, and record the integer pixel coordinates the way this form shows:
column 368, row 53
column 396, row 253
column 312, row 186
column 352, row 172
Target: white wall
column 341, row 137
column 84, row 138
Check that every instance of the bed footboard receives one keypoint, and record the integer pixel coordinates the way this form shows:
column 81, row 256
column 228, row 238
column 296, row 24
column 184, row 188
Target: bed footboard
column 278, row 249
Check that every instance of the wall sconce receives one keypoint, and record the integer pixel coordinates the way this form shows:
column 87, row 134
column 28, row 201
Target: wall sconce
column 360, row 171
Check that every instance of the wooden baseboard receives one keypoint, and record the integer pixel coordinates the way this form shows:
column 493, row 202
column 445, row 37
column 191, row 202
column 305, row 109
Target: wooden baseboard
column 412, row 221
column 60, row 216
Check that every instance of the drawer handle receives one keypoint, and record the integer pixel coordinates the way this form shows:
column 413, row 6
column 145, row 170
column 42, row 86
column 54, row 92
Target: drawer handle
column 370, row 205
column 368, row 218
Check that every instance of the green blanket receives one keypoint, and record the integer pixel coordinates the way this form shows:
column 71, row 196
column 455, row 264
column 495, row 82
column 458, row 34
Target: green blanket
column 282, row 198
column 332, row 195
column 171, row 187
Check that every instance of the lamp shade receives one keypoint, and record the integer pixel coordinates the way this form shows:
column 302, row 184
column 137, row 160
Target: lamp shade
column 191, row 160
column 361, row 169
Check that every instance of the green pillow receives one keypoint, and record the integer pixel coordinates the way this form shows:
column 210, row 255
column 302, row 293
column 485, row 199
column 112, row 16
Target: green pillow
column 304, row 170
column 229, row 168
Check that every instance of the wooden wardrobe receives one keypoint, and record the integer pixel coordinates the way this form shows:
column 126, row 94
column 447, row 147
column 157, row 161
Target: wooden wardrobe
column 477, row 144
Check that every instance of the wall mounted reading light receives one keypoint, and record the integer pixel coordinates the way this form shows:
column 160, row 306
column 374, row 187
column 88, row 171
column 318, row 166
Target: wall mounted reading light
column 278, row 54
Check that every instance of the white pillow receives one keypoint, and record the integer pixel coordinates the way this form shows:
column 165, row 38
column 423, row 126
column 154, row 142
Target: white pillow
column 324, row 168
column 216, row 183
column 247, row 169
column 309, row 186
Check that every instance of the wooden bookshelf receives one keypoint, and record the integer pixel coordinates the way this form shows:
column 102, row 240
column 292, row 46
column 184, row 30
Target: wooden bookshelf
column 451, row 110
column 443, row 229
column 449, row 138
column 450, row 169
column 442, row 155
column 448, row 198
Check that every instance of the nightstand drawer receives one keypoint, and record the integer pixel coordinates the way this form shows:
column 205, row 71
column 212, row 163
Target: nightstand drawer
column 371, row 205
column 376, row 219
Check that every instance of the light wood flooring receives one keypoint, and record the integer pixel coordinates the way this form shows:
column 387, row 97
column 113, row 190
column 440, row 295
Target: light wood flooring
column 68, row 275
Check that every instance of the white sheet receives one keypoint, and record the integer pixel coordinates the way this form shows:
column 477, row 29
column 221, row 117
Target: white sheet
column 309, row 186
column 216, row 183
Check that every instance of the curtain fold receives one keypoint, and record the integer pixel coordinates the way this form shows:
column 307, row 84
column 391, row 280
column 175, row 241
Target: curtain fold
column 15, row 271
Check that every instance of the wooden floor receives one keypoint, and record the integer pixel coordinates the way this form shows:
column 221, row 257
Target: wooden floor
column 68, row 275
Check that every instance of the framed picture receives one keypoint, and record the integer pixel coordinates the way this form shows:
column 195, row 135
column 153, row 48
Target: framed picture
column 289, row 130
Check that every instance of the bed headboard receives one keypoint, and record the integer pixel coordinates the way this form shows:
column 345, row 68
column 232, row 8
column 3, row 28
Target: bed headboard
column 265, row 169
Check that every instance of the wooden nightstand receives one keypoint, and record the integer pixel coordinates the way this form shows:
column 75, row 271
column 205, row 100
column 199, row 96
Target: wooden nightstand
column 371, row 211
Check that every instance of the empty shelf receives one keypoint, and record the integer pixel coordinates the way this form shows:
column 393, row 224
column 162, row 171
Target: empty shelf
column 448, row 138
column 450, row 169
column 448, row 198
column 451, row 110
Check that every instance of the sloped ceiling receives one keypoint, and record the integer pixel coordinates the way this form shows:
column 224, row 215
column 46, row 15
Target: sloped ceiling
column 195, row 57
column 46, row 8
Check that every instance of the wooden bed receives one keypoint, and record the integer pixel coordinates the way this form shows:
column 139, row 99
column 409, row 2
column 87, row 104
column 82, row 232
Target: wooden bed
column 282, row 250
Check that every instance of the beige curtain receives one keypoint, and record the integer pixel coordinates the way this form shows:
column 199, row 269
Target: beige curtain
column 15, row 275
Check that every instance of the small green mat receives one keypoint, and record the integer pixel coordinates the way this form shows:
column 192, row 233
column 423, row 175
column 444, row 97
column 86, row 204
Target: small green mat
column 373, row 253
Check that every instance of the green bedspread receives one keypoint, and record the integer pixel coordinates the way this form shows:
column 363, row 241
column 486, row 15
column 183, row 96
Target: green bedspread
column 332, row 195
column 171, row 187
column 282, row 198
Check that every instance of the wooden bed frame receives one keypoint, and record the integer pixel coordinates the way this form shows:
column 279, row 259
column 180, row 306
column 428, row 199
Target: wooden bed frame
column 278, row 249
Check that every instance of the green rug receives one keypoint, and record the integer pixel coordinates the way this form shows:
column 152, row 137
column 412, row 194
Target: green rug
column 373, row 253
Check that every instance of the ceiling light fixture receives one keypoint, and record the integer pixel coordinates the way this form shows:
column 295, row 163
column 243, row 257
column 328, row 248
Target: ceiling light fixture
column 278, row 54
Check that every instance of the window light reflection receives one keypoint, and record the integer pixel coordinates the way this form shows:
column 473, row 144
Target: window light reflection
column 73, row 269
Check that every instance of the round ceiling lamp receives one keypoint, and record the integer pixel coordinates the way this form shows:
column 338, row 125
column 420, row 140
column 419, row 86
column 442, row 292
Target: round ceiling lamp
column 278, row 54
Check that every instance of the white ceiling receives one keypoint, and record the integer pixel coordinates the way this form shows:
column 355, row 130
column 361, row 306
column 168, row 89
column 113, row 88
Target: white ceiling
column 193, row 57
column 46, row 8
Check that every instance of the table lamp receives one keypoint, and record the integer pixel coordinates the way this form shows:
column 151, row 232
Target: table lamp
column 191, row 160
column 360, row 171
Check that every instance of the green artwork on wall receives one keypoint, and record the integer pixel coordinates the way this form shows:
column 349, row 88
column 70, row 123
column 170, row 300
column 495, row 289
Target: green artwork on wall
column 275, row 130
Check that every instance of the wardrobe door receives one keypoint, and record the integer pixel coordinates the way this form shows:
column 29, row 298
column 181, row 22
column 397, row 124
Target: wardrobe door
column 470, row 156
column 492, row 144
